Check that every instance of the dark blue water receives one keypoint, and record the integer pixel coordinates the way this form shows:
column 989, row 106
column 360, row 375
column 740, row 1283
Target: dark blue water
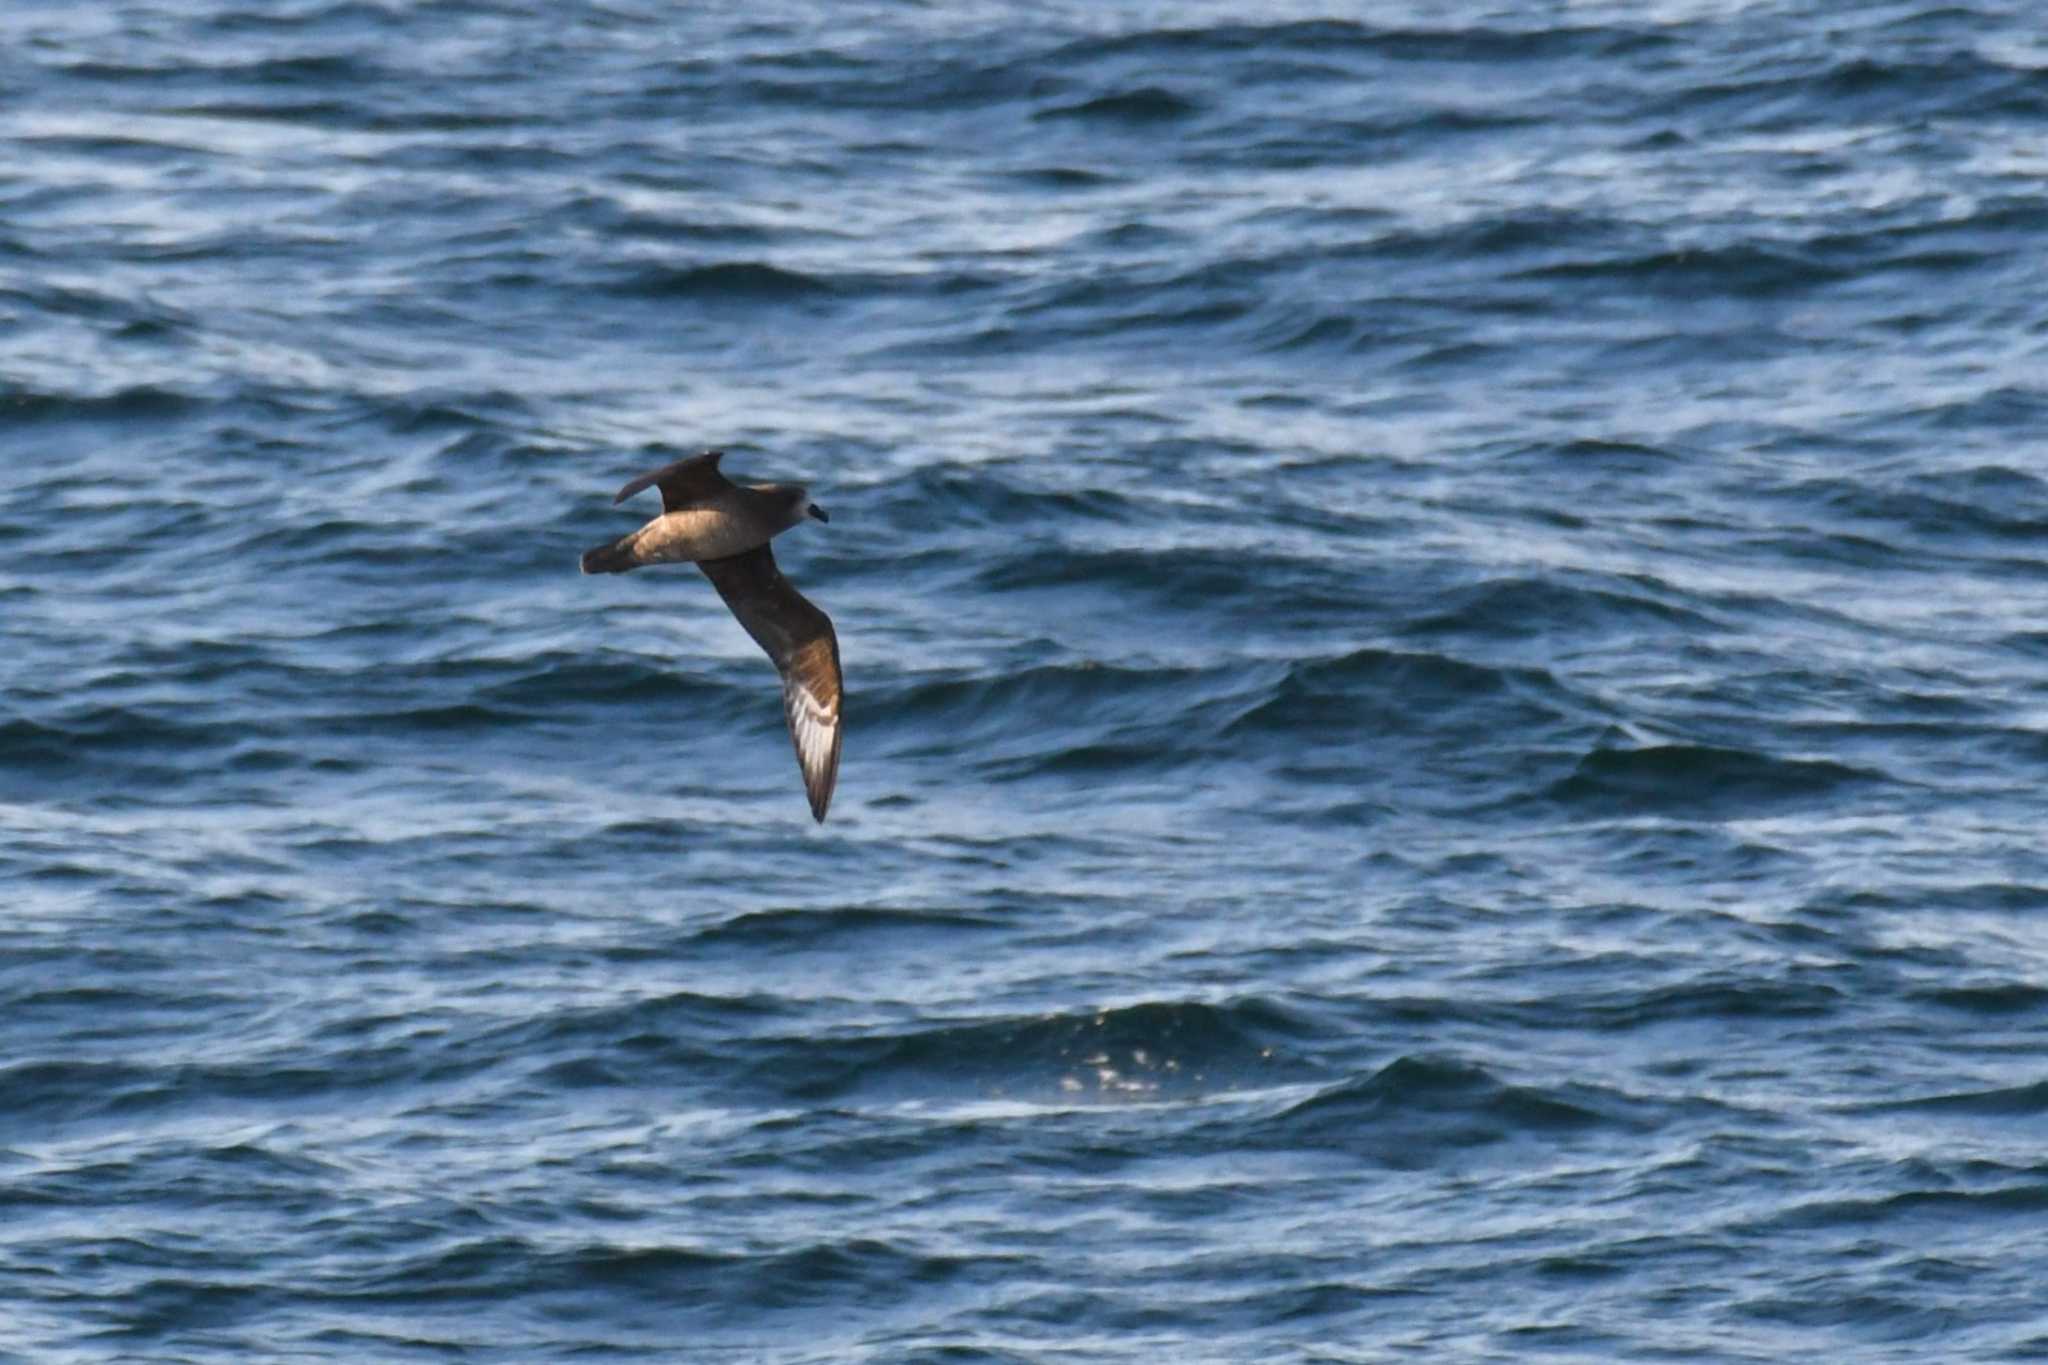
column 1446, row 631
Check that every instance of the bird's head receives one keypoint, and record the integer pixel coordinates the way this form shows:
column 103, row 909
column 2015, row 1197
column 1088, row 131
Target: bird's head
column 796, row 502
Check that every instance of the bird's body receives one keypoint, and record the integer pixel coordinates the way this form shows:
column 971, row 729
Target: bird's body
column 724, row 528
column 704, row 516
column 693, row 534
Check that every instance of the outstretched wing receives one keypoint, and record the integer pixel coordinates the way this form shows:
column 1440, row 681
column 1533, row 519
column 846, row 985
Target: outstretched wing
column 684, row 483
column 799, row 638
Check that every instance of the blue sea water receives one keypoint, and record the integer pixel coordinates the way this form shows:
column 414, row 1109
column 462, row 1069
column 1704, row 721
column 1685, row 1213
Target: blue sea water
column 1445, row 611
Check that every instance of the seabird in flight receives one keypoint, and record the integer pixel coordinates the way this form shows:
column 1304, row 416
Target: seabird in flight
column 724, row 528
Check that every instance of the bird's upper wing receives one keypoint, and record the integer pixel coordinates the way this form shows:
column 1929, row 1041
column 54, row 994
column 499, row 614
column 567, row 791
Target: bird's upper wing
column 799, row 638
column 684, row 483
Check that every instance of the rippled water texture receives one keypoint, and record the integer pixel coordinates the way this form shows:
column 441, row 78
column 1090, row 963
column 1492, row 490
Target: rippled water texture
column 1447, row 683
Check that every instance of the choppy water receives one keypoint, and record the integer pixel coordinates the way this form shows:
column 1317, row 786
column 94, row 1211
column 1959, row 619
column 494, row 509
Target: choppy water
column 1446, row 620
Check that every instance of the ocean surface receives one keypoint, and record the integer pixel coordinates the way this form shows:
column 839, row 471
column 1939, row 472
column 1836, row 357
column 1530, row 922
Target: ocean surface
column 1445, row 617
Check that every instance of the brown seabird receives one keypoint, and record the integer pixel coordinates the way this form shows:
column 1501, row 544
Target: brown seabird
column 724, row 528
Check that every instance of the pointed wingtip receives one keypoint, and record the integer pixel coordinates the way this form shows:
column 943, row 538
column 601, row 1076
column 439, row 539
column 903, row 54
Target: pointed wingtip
column 821, row 776
column 703, row 467
column 819, row 786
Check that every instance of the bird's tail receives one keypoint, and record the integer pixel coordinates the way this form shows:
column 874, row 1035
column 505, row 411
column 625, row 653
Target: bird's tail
column 616, row 557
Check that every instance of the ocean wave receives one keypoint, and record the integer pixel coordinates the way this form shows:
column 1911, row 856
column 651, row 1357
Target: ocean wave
column 1992, row 1000
column 612, row 217
column 734, row 282
column 1389, row 692
column 1971, row 506
column 949, row 709
column 2010, row 1101
column 1735, row 269
column 142, row 403
column 683, row 1029
column 1159, row 1049
column 2024, row 1196
column 840, row 928
column 1271, row 584
column 95, row 733
column 953, row 498
column 63, row 1092
column 1777, row 996
column 1145, row 105
column 1521, row 607
column 685, row 1283
column 1325, row 37
column 1705, row 780
column 1418, row 1111
column 604, row 679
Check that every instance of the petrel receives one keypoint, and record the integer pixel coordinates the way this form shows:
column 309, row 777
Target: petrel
column 724, row 528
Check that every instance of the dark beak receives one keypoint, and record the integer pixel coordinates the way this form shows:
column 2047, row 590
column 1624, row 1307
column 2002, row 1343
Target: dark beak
column 819, row 512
